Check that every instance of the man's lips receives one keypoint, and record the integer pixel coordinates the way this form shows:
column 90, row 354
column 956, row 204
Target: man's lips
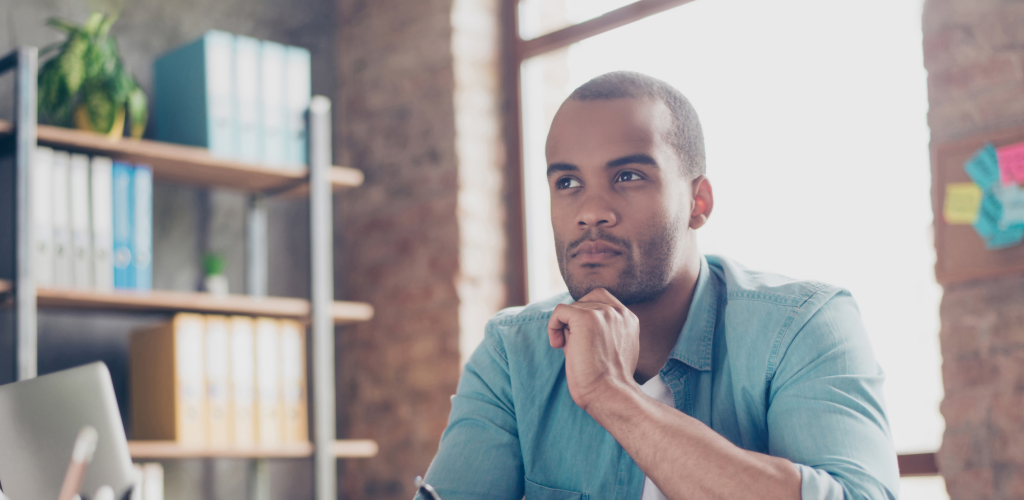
column 595, row 251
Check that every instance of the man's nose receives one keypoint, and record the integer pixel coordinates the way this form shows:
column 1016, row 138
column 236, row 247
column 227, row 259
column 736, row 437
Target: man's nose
column 596, row 211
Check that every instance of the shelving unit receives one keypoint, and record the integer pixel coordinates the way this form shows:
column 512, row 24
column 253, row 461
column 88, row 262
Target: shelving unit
column 193, row 166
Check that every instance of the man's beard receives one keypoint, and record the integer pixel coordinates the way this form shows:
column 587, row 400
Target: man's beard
column 641, row 280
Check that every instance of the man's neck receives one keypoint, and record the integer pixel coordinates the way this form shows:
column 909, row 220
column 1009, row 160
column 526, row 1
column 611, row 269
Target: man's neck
column 662, row 320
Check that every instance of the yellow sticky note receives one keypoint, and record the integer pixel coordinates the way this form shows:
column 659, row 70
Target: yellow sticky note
column 962, row 202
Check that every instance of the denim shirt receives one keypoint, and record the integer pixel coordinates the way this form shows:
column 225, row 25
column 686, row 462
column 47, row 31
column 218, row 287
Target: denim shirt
column 774, row 365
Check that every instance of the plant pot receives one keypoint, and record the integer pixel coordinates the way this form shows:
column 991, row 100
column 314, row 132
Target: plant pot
column 82, row 122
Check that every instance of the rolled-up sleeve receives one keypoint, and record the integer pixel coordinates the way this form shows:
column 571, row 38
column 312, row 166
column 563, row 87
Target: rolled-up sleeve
column 479, row 456
column 826, row 411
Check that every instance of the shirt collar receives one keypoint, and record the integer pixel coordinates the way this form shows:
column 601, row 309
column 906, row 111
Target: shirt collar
column 693, row 347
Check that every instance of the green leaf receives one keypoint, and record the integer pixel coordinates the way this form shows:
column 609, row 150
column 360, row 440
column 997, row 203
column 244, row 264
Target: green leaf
column 92, row 25
column 105, row 26
column 65, row 26
column 138, row 112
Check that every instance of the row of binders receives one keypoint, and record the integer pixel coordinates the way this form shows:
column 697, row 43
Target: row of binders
column 220, row 381
column 93, row 221
column 237, row 96
column 149, row 481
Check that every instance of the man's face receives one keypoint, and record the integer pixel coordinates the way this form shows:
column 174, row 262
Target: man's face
column 620, row 205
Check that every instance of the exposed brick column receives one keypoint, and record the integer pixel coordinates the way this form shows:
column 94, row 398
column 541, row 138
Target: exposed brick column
column 974, row 54
column 418, row 110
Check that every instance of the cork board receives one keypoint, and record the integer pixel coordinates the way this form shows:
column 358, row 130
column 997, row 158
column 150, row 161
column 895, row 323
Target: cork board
column 960, row 254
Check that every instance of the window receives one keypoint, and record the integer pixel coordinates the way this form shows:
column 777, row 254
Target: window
column 814, row 116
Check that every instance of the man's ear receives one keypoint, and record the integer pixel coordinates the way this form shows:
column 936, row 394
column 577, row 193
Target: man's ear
column 702, row 203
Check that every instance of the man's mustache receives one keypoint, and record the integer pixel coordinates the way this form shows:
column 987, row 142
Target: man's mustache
column 595, row 235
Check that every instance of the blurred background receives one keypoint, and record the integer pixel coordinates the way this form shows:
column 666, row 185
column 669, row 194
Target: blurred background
column 833, row 131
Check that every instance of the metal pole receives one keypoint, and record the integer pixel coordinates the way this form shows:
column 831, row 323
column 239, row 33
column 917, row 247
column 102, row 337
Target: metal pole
column 256, row 246
column 325, row 465
column 25, row 149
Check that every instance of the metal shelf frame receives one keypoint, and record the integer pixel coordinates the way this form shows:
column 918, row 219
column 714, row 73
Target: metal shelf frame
column 24, row 62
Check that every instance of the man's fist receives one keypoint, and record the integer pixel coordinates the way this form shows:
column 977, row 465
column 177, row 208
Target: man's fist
column 601, row 341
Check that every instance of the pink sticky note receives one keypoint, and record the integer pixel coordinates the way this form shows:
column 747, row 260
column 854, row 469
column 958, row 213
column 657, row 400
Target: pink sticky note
column 1011, row 164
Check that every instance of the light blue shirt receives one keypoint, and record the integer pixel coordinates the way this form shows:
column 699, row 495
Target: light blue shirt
column 774, row 365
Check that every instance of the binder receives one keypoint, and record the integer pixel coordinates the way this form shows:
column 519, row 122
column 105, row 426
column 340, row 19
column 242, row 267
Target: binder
column 142, row 227
column 81, row 230
column 102, row 223
column 63, row 268
column 193, row 87
column 167, row 381
column 274, row 109
column 248, row 133
column 269, row 424
column 293, row 376
column 218, row 381
column 243, row 382
column 152, row 481
column 121, row 204
column 298, row 88
column 42, row 216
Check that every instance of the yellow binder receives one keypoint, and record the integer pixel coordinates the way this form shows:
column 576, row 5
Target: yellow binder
column 293, row 375
column 168, row 396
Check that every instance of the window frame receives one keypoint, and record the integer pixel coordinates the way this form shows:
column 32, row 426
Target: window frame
column 518, row 50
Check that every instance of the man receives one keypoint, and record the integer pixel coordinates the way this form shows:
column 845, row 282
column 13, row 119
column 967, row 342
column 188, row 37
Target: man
column 667, row 374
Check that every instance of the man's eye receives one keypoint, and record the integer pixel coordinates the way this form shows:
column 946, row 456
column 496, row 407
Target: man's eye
column 566, row 183
column 627, row 176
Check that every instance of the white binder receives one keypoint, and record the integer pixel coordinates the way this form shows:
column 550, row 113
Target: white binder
column 42, row 216
column 63, row 268
column 81, row 231
column 102, row 223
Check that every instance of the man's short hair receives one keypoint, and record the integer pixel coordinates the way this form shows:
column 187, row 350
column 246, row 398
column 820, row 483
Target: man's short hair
column 686, row 135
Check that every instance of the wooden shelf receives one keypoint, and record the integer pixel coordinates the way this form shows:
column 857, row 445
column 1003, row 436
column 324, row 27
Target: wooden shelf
column 190, row 165
column 166, row 301
column 346, row 448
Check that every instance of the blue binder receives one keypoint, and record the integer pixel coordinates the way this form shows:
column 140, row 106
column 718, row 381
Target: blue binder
column 142, row 218
column 193, row 94
column 124, row 268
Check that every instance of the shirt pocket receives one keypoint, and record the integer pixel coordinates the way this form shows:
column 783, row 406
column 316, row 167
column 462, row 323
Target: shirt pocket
column 535, row 491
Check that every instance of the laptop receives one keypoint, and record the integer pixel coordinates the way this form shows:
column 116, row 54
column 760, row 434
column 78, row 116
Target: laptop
column 39, row 421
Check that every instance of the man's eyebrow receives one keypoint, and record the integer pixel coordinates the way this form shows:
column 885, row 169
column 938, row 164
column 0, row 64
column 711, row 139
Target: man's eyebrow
column 638, row 158
column 561, row 167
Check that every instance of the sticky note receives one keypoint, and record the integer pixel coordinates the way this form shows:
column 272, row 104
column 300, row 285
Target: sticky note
column 989, row 223
column 962, row 202
column 1012, row 200
column 989, row 214
column 1006, row 238
column 1011, row 163
column 983, row 168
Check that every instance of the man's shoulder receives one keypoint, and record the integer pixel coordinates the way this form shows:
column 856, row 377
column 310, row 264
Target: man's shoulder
column 738, row 284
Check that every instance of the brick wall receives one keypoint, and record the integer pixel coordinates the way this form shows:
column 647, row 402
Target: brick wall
column 974, row 54
column 418, row 110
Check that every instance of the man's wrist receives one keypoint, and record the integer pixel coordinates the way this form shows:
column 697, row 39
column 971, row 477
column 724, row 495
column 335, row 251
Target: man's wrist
column 615, row 399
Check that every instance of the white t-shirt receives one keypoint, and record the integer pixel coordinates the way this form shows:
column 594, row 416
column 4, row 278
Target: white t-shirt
column 656, row 388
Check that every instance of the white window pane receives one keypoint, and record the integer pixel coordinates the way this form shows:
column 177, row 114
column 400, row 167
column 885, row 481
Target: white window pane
column 923, row 488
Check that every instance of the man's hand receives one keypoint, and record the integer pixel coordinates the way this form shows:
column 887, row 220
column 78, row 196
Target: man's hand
column 601, row 341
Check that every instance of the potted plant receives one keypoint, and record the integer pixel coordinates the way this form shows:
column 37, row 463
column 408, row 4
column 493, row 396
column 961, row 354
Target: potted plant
column 86, row 85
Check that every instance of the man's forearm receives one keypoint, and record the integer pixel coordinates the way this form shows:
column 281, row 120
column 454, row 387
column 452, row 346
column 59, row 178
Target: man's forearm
column 684, row 457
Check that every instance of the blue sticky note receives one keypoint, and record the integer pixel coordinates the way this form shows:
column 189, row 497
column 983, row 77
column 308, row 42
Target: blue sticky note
column 983, row 168
column 1006, row 238
column 989, row 215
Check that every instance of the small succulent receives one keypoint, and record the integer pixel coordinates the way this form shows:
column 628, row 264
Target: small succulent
column 87, row 72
